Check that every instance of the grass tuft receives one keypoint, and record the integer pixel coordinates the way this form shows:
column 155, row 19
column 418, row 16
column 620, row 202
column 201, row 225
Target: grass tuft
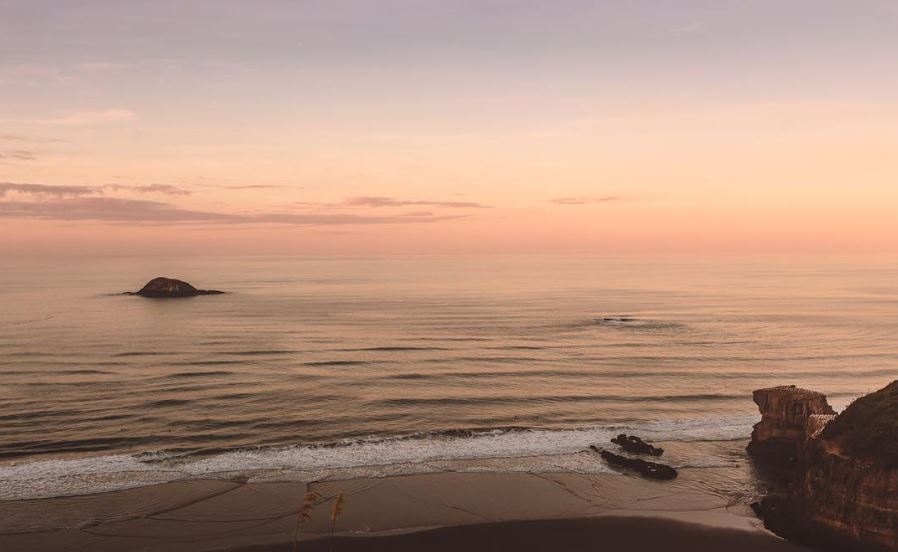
column 305, row 514
column 335, row 513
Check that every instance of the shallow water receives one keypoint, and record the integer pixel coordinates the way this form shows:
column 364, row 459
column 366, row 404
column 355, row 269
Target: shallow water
column 335, row 363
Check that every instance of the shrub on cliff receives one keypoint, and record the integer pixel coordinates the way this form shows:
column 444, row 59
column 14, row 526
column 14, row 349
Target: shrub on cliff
column 869, row 427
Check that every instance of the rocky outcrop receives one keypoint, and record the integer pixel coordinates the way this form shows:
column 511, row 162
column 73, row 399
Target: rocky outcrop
column 781, row 434
column 843, row 494
column 651, row 470
column 164, row 288
column 635, row 445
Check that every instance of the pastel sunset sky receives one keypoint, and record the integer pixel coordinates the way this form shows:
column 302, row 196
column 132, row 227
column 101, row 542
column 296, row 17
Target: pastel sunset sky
column 628, row 127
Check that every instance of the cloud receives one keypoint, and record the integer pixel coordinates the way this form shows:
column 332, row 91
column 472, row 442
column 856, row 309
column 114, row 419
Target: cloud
column 166, row 189
column 71, row 191
column 19, row 138
column 328, row 219
column 251, row 187
column 98, row 117
column 111, row 209
column 242, row 186
column 45, row 190
column 89, row 203
column 583, row 200
column 121, row 210
column 17, row 155
column 379, row 201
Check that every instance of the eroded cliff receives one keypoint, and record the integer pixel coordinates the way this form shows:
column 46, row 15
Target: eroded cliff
column 781, row 434
column 843, row 494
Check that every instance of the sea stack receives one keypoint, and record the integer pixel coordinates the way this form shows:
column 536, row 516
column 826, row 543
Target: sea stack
column 785, row 412
column 170, row 288
column 843, row 493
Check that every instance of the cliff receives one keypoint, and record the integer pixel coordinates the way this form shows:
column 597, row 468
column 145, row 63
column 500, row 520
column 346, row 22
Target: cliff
column 869, row 427
column 782, row 432
column 843, row 494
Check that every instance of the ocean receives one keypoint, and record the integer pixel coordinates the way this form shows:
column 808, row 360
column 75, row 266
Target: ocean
column 308, row 367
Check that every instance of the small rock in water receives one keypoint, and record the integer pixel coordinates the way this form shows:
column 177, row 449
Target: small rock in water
column 635, row 445
column 651, row 470
column 163, row 288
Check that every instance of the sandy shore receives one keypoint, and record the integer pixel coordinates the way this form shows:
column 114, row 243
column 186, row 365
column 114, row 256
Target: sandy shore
column 439, row 511
column 599, row 534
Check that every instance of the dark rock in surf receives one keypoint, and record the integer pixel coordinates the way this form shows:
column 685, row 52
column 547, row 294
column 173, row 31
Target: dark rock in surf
column 651, row 470
column 169, row 288
column 635, row 445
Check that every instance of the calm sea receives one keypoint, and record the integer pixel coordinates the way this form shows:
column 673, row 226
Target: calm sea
column 390, row 364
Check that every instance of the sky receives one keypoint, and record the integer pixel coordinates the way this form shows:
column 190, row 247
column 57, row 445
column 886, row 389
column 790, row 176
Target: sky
column 625, row 128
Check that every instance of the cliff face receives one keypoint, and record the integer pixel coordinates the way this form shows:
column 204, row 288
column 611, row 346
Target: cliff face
column 853, row 497
column 843, row 494
column 869, row 427
column 781, row 434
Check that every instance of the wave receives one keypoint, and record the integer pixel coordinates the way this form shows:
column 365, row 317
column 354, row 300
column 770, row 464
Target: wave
column 342, row 362
column 594, row 374
column 167, row 402
column 379, row 455
column 634, row 323
column 264, row 352
column 517, row 399
column 396, row 348
column 211, row 373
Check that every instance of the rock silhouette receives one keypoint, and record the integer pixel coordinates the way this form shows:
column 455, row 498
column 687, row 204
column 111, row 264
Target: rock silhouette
column 651, row 470
column 635, row 445
column 170, row 288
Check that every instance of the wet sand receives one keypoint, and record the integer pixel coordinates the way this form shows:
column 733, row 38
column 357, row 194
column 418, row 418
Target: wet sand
column 438, row 511
column 602, row 533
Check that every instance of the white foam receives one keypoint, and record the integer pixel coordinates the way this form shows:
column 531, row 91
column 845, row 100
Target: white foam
column 552, row 447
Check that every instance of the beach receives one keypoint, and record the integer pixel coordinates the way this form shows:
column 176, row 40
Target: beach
column 448, row 275
column 449, row 400
column 437, row 511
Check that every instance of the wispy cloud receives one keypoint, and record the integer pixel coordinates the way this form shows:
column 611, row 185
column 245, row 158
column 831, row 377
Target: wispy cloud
column 120, row 210
column 96, row 117
column 72, row 191
column 379, row 201
column 166, row 189
column 250, row 187
column 90, row 203
column 17, row 155
column 20, row 138
column 111, row 209
column 244, row 186
column 45, row 190
column 583, row 200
